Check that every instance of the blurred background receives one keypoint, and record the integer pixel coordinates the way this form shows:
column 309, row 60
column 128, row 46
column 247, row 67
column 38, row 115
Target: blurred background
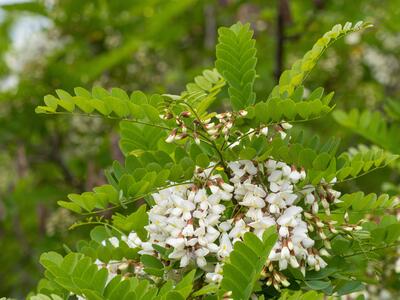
column 155, row 46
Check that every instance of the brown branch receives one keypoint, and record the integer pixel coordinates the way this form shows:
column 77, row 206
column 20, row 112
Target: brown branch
column 283, row 18
column 56, row 158
column 210, row 36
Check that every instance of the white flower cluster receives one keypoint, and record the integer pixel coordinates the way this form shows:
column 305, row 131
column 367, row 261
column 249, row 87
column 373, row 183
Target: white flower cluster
column 189, row 218
column 273, row 200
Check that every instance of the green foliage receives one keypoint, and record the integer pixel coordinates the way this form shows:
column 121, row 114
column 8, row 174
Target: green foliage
column 310, row 295
column 133, row 222
column 100, row 248
column 359, row 161
column 372, row 126
column 236, row 61
column 102, row 43
column 279, row 109
column 358, row 205
column 100, row 198
column 246, row 263
column 114, row 104
column 201, row 93
column 294, row 77
column 78, row 274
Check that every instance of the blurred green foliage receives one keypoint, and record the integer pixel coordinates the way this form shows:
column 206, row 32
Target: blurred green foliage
column 46, row 45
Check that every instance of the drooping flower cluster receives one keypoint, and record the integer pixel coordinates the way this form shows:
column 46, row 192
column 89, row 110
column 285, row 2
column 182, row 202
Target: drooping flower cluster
column 269, row 194
column 189, row 219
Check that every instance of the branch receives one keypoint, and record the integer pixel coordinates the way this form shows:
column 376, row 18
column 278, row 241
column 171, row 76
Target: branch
column 283, row 17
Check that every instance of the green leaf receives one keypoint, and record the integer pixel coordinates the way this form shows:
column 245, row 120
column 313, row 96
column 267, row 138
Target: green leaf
column 133, row 222
column 236, row 61
column 184, row 287
column 348, row 287
column 293, row 78
column 207, row 289
column 318, row 284
column 151, row 261
column 246, row 262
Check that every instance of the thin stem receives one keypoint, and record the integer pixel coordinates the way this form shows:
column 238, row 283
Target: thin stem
column 131, row 200
column 212, row 141
column 73, row 226
column 206, row 140
column 111, row 118
column 267, row 125
column 373, row 249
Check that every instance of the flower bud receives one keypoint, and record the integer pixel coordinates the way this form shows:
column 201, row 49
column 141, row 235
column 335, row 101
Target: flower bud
column 293, row 262
column 264, row 131
column 243, row 113
column 185, row 114
column 324, row 252
column 171, row 137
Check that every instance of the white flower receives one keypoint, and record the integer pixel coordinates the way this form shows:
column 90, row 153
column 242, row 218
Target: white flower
column 177, row 243
column 225, row 247
column 283, row 231
column 225, row 226
column 113, row 241
column 215, row 276
column 132, row 240
column 239, row 229
column 185, row 260
column 261, row 225
column 188, row 230
column 288, row 218
column 249, row 167
column 295, row 176
column 252, row 201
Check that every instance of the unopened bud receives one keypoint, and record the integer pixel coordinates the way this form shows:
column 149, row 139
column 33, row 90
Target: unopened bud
column 315, row 208
column 333, row 229
column 269, row 281
column 185, row 114
column 290, row 245
column 308, row 215
column 286, row 125
column 325, row 203
column 324, row 252
column 264, row 131
column 347, row 228
column 196, row 138
column 171, row 136
column 242, row 113
column 293, row 262
column 167, row 116
column 210, row 125
column 276, row 286
column 181, row 136
column 276, row 276
column 285, row 283
column 346, row 216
